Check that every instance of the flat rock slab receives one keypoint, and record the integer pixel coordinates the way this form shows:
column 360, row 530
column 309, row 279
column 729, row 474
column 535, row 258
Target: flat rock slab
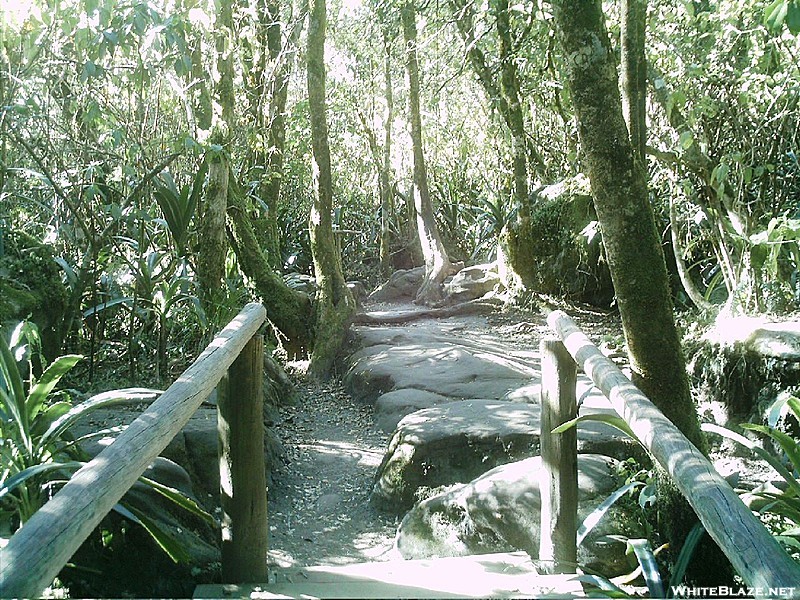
column 506, row 575
column 449, row 357
column 458, row 441
column 501, row 509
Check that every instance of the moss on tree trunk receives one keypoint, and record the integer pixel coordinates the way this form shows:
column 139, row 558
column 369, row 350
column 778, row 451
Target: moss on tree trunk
column 335, row 305
column 632, row 243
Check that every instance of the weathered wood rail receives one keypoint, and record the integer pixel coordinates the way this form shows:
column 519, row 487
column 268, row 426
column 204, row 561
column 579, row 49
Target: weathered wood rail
column 37, row 552
column 753, row 552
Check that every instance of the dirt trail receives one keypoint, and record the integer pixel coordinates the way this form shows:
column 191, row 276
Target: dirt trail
column 319, row 511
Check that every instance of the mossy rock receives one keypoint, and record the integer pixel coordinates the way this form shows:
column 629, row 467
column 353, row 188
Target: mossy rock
column 744, row 364
column 31, row 288
column 557, row 249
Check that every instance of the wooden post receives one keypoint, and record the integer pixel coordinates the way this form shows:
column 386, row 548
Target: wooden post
column 37, row 552
column 752, row 550
column 559, row 475
column 243, row 485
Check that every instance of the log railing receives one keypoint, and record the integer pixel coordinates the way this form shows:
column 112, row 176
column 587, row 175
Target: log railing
column 37, row 552
column 752, row 550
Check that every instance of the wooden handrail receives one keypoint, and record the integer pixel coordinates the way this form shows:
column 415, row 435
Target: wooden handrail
column 38, row 551
column 752, row 550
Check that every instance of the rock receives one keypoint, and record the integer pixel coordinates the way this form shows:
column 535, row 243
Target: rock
column 302, row 283
column 472, row 282
column 557, row 248
column 391, row 407
column 452, row 443
column 743, row 363
column 500, row 511
column 457, row 441
column 779, row 340
column 402, row 285
column 432, row 359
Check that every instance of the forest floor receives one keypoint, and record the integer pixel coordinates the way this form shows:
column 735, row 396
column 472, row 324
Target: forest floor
column 319, row 510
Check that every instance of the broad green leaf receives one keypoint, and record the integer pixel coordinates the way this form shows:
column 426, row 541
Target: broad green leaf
column 48, row 416
column 613, row 420
column 685, row 556
column 789, row 541
column 12, row 393
column 793, row 17
column 775, row 14
column 23, row 476
column 773, row 461
column 127, row 301
column 605, row 589
column 593, row 518
column 179, row 499
column 787, row 444
column 167, row 542
column 644, row 554
column 110, row 398
column 48, row 381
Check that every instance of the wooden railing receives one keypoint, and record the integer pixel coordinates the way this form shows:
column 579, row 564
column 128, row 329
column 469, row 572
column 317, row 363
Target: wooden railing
column 752, row 550
column 37, row 552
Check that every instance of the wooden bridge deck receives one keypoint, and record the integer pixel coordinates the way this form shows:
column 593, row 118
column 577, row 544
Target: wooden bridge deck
column 486, row 576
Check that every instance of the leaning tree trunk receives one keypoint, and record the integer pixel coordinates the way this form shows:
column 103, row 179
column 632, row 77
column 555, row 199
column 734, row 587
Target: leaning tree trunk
column 335, row 304
column 632, row 242
column 437, row 263
column 287, row 309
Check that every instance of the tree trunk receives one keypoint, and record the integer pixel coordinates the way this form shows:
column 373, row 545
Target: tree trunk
column 437, row 263
column 287, row 309
column 633, row 72
column 212, row 245
column 387, row 194
column 509, row 86
column 335, row 304
column 632, row 242
column 212, row 248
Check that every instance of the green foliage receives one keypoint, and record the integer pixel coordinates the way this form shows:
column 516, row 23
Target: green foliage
column 178, row 206
column 783, row 12
column 38, row 452
column 770, row 500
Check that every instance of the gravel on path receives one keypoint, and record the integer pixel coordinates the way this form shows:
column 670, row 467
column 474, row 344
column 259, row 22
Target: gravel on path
column 319, row 510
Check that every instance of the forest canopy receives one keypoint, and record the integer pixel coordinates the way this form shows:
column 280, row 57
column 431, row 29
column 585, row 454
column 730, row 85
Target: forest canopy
column 120, row 121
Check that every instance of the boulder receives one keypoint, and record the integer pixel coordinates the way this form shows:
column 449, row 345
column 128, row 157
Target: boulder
column 402, row 285
column 452, row 443
column 743, row 363
column 457, row 441
column 433, row 360
column 473, row 282
column 391, row 407
column 358, row 290
column 302, row 283
column 557, row 248
column 779, row 340
column 500, row 511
